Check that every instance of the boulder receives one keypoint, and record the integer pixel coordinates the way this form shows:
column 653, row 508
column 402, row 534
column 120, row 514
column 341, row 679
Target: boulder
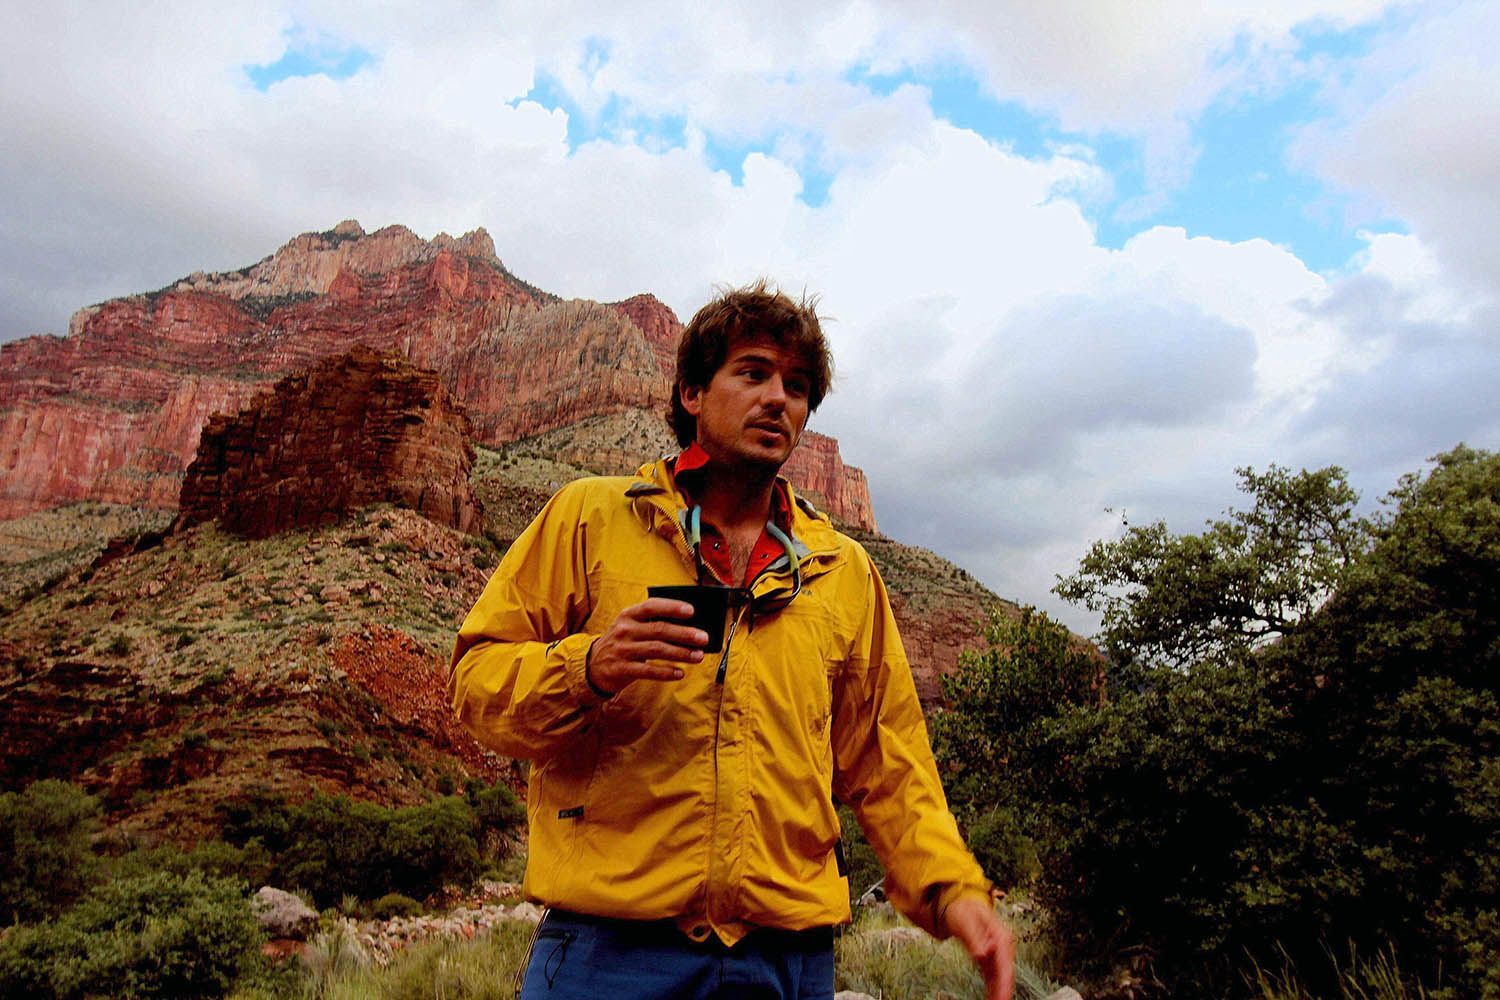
column 282, row 914
column 360, row 428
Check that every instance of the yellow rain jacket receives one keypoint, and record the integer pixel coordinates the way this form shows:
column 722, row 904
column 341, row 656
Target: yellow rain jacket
column 708, row 800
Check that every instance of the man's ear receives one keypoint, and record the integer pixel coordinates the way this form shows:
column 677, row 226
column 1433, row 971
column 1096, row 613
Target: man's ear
column 692, row 398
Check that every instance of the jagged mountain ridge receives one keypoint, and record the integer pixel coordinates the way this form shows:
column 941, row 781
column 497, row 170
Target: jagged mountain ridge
column 112, row 412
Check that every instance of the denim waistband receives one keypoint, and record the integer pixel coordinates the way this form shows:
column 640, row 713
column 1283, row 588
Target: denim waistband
column 809, row 939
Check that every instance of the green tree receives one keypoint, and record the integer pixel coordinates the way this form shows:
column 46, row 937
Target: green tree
column 45, row 859
column 1250, row 576
column 1270, row 800
column 1002, row 698
column 1402, row 675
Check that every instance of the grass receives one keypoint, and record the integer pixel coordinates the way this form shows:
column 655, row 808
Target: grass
column 337, row 967
column 921, row 969
column 1358, row 978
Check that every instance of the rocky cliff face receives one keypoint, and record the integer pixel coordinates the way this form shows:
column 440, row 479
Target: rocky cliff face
column 818, row 471
column 113, row 410
column 358, row 429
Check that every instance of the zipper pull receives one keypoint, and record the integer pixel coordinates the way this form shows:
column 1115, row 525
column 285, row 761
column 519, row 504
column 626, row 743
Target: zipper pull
column 724, row 656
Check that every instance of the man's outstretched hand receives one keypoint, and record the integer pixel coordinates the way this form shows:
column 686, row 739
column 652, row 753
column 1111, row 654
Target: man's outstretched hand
column 989, row 942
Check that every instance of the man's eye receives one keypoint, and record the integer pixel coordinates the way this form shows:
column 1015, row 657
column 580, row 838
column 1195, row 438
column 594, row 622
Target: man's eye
column 797, row 387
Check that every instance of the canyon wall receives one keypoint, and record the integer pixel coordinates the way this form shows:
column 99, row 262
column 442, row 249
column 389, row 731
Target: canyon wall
column 113, row 410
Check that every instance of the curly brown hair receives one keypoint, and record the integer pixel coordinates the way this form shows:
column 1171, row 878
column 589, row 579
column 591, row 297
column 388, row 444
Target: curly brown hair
column 754, row 312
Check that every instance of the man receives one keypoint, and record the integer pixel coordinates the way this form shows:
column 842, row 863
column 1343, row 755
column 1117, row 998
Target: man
column 683, row 828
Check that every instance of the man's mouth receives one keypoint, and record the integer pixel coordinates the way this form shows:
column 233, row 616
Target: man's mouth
column 776, row 429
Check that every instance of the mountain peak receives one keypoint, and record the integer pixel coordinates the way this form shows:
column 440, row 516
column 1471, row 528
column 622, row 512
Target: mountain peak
column 308, row 264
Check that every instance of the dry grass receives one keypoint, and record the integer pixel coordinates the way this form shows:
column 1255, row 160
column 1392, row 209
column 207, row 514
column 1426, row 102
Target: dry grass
column 1358, row 977
column 871, row 959
column 337, row 968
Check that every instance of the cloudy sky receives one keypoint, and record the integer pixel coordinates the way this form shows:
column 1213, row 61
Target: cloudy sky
column 1083, row 258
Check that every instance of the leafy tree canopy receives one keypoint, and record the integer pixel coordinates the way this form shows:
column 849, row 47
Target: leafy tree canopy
column 1174, row 600
column 1263, row 801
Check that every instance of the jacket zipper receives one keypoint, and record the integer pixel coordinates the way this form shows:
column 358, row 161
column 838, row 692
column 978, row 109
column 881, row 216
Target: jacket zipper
column 710, row 894
column 728, row 641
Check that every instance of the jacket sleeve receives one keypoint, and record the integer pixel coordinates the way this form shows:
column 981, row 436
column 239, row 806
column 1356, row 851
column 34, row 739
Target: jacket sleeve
column 517, row 679
column 884, row 769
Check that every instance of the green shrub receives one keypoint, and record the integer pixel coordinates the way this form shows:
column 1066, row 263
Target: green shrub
column 394, row 904
column 1225, row 804
column 45, row 861
column 331, row 846
column 159, row 935
column 496, row 806
column 250, row 863
column 1007, row 855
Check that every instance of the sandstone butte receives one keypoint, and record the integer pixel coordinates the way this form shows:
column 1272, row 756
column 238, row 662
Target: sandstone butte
column 354, row 430
column 113, row 410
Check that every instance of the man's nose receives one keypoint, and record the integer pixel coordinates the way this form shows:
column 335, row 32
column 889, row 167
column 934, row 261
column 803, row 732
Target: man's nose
column 773, row 391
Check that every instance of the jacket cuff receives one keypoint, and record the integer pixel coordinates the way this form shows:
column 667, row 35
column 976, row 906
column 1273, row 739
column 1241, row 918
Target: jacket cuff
column 949, row 896
column 576, row 668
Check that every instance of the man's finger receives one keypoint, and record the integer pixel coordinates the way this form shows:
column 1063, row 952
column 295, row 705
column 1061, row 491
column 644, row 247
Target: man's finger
column 653, row 608
column 643, row 651
column 651, row 672
column 667, row 632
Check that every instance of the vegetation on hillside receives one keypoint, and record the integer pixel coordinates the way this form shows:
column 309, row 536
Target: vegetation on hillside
column 39, row 550
column 164, row 923
column 1292, row 752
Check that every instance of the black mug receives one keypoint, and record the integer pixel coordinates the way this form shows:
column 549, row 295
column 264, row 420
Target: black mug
column 710, row 608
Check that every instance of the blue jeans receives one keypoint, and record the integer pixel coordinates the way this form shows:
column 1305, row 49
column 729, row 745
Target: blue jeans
column 579, row 957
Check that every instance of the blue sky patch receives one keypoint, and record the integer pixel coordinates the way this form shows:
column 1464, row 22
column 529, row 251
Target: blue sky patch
column 310, row 57
column 613, row 122
column 1240, row 187
column 957, row 98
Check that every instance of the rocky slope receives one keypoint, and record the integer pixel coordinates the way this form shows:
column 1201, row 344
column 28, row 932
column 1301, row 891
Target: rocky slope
column 192, row 674
column 358, row 429
column 112, row 412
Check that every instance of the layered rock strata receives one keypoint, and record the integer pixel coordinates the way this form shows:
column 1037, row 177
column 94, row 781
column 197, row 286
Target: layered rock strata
column 113, row 410
column 358, row 429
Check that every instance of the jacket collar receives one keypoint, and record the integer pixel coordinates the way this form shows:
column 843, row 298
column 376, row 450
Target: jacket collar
column 656, row 484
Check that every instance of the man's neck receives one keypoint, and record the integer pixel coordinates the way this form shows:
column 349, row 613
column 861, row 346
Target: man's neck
column 736, row 499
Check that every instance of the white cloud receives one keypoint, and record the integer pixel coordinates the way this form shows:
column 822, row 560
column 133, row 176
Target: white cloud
column 1416, row 135
column 1115, row 66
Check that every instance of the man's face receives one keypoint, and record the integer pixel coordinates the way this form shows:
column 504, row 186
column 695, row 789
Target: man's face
column 754, row 408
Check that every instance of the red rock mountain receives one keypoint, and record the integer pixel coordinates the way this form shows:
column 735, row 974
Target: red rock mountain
column 357, row 429
column 113, row 411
